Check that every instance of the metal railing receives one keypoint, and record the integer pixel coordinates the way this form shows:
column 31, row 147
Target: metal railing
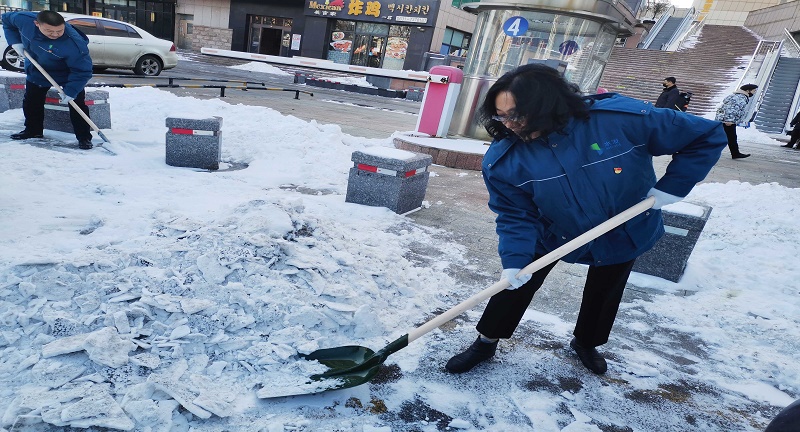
column 674, row 43
column 791, row 48
column 237, row 84
column 657, row 28
column 759, row 71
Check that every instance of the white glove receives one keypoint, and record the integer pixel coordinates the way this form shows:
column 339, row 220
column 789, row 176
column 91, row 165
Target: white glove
column 662, row 198
column 510, row 275
column 19, row 48
column 65, row 99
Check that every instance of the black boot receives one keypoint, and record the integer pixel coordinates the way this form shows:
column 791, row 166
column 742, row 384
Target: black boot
column 741, row 155
column 589, row 357
column 476, row 353
column 26, row 134
column 85, row 144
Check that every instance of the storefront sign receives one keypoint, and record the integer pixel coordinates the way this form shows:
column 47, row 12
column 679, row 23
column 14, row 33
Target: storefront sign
column 416, row 12
column 296, row 41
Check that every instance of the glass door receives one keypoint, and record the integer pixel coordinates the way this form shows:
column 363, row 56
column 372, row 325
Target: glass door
column 360, row 49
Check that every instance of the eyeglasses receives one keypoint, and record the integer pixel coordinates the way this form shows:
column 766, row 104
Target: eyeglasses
column 506, row 118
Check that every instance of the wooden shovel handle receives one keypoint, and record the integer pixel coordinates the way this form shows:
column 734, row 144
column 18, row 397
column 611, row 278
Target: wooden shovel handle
column 533, row 267
column 61, row 92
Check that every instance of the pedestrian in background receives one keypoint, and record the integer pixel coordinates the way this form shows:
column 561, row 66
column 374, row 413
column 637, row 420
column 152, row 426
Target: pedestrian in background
column 561, row 164
column 669, row 96
column 732, row 112
column 63, row 52
column 794, row 136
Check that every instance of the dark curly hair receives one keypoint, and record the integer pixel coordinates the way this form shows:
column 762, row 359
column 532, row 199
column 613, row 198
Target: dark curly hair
column 544, row 100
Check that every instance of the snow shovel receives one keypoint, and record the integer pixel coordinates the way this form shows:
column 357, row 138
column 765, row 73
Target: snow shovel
column 354, row 365
column 74, row 105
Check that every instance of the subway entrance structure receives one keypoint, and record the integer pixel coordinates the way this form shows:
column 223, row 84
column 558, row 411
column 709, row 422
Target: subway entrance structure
column 574, row 36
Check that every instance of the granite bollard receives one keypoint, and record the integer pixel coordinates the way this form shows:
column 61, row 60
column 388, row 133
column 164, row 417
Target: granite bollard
column 683, row 223
column 56, row 114
column 12, row 90
column 387, row 177
column 194, row 143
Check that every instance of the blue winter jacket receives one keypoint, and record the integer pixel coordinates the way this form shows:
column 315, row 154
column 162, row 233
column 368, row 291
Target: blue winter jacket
column 548, row 191
column 65, row 59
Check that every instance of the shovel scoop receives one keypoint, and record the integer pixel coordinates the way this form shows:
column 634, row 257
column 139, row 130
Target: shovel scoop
column 353, row 365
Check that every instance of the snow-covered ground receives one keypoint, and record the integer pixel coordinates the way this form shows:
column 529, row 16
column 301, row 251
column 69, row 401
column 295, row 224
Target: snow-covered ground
column 139, row 296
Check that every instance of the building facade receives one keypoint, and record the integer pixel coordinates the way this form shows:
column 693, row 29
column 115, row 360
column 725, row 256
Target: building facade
column 770, row 22
column 730, row 12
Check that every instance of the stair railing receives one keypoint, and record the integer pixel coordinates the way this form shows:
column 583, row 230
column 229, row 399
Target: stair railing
column 657, row 28
column 759, row 72
column 793, row 109
column 791, row 47
column 680, row 33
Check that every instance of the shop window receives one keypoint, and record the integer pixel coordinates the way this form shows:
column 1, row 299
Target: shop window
column 455, row 42
column 340, row 42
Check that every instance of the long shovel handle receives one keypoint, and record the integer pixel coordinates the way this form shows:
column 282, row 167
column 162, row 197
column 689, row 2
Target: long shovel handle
column 61, row 92
column 533, row 267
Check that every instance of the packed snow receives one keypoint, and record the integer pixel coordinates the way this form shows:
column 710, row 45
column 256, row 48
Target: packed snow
column 139, row 296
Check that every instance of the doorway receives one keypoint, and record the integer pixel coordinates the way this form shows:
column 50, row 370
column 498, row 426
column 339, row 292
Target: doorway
column 368, row 50
column 269, row 35
column 270, row 41
column 184, row 39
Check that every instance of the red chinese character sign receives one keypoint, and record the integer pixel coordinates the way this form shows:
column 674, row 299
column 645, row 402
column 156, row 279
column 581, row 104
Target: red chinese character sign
column 408, row 12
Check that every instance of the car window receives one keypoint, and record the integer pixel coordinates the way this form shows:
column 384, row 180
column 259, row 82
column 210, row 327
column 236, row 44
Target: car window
column 120, row 30
column 87, row 26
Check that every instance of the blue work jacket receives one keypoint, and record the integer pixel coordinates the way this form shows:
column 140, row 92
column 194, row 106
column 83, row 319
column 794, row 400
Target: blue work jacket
column 550, row 190
column 65, row 59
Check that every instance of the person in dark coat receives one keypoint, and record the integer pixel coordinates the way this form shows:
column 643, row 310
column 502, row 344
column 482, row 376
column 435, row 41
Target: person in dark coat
column 63, row 52
column 794, row 137
column 669, row 96
column 732, row 112
column 561, row 164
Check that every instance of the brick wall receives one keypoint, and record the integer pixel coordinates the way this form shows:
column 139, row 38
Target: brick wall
column 211, row 37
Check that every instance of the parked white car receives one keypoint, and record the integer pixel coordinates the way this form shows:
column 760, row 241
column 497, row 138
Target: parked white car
column 112, row 44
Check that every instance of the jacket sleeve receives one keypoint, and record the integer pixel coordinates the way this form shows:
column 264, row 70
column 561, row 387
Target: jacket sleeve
column 518, row 227
column 694, row 143
column 795, row 120
column 80, row 70
column 10, row 28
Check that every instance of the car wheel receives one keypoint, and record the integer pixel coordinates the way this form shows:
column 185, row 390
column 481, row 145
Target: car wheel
column 12, row 61
column 148, row 65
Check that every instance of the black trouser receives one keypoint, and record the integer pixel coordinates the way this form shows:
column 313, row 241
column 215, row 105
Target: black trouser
column 602, row 294
column 733, row 143
column 794, row 136
column 33, row 108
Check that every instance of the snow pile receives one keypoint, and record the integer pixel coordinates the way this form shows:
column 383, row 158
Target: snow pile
column 161, row 296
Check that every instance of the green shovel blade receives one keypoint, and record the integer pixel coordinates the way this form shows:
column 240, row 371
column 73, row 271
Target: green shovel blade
column 349, row 366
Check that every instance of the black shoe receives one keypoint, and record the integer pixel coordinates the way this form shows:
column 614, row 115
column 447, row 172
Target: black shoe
column 476, row 353
column 85, row 144
column 790, row 145
column 25, row 135
column 589, row 357
column 741, row 156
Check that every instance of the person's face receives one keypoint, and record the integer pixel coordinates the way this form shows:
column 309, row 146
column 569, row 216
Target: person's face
column 667, row 83
column 52, row 32
column 505, row 105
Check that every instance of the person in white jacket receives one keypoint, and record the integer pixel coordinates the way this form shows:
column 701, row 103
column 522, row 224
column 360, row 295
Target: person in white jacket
column 731, row 112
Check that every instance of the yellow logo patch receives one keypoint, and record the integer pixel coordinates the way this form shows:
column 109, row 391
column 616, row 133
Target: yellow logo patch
column 617, row 170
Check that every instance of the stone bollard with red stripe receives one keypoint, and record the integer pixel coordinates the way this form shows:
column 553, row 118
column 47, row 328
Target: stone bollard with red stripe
column 194, row 143
column 388, row 177
column 12, row 90
column 56, row 114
